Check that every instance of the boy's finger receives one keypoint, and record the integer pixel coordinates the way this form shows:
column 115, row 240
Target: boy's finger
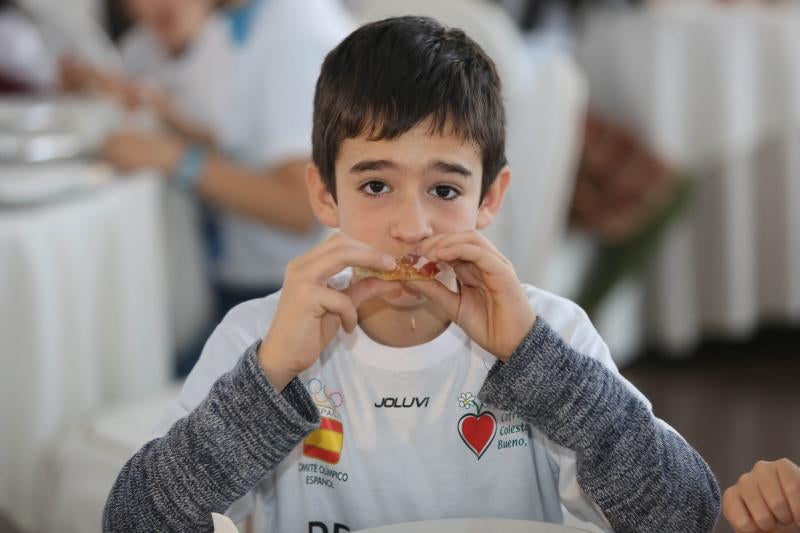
column 756, row 505
column 331, row 242
column 335, row 240
column 770, row 487
column 341, row 257
column 736, row 513
column 429, row 246
column 447, row 300
column 363, row 290
column 430, row 243
column 486, row 262
column 338, row 304
column 789, row 477
column 468, row 274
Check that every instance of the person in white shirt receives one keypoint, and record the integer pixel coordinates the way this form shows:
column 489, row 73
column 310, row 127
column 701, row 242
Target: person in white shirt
column 177, row 60
column 181, row 56
column 26, row 65
column 348, row 401
column 255, row 179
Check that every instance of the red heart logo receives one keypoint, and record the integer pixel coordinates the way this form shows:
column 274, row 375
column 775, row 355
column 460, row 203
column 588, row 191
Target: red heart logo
column 477, row 432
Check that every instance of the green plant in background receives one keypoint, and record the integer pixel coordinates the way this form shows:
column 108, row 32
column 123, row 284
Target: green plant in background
column 613, row 262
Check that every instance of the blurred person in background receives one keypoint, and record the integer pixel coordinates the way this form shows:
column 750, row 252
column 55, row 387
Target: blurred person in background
column 26, row 65
column 177, row 65
column 177, row 62
column 254, row 176
column 766, row 499
column 250, row 169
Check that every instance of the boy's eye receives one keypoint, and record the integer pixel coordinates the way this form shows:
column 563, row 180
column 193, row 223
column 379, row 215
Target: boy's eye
column 375, row 188
column 445, row 192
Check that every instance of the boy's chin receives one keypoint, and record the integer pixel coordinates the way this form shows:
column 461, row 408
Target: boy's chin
column 403, row 296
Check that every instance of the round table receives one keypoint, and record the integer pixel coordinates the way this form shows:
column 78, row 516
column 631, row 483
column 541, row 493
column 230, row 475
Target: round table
column 473, row 525
column 715, row 89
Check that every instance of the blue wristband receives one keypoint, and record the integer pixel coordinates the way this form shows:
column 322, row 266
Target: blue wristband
column 190, row 169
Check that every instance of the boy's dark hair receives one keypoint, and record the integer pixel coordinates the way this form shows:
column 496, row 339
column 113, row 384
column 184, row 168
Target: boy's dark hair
column 389, row 76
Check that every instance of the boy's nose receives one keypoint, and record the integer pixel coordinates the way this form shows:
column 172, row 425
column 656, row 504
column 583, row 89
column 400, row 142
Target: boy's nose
column 411, row 223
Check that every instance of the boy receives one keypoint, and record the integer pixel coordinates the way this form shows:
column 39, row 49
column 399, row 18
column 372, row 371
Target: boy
column 765, row 499
column 372, row 402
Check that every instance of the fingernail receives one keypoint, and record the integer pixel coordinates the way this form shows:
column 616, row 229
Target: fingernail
column 388, row 260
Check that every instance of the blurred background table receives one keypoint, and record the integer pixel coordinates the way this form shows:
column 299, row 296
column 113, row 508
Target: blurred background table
column 99, row 285
column 83, row 313
column 715, row 89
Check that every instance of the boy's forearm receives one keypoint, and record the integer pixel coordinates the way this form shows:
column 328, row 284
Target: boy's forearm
column 213, row 456
column 643, row 476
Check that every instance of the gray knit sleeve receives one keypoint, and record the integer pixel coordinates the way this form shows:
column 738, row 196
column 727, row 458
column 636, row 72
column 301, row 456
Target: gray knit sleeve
column 643, row 476
column 213, row 456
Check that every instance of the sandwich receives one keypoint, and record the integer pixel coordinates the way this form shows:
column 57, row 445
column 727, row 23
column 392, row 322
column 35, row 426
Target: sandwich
column 408, row 267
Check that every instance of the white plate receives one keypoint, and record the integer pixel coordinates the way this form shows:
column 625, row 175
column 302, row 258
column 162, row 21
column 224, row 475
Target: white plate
column 473, row 525
column 34, row 130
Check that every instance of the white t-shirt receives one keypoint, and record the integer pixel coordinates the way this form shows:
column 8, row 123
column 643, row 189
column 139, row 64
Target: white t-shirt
column 277, row 71
column 24, row 56
column 402, row 435
column 198, row 80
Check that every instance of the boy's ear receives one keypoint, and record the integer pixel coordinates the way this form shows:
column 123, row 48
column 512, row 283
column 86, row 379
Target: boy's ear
column 493, row 198
column 322, row 202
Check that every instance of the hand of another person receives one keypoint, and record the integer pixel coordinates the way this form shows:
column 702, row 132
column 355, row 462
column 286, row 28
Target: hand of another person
column 491, row 306
column 766, row 499
column 310, row 312
column 129, row 151
column 75, row 76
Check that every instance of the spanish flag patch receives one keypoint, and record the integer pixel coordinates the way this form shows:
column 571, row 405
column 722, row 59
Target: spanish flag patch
column 325, row 443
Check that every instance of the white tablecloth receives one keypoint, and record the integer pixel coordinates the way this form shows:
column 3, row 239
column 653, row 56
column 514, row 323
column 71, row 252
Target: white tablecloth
column 83, row 319
column 716, row 90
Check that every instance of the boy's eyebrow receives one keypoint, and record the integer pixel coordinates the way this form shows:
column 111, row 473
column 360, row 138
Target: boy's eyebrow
column 448, row 168
column 370, row 165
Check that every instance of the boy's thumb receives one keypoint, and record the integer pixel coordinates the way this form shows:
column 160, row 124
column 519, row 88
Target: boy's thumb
column 363, row 290
column 434, row 291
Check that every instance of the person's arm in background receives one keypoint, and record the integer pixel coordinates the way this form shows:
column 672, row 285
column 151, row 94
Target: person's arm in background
column 766, row 499
column 76, row 77
column 276, row 196
column 173, row 117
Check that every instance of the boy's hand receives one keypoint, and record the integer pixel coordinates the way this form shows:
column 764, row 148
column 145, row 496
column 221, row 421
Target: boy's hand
column 766, row 499
column 310, row 312
column 491, row 306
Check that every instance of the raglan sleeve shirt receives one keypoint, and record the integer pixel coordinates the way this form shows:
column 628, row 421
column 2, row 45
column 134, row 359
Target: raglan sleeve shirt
column 636, row 471
column 230, row 428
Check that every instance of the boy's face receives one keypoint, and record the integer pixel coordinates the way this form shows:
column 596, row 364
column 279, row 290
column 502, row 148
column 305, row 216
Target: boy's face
column 394, row 194
column 172, row 21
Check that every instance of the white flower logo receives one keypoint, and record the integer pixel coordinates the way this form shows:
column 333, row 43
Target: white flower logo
column 466, row 400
